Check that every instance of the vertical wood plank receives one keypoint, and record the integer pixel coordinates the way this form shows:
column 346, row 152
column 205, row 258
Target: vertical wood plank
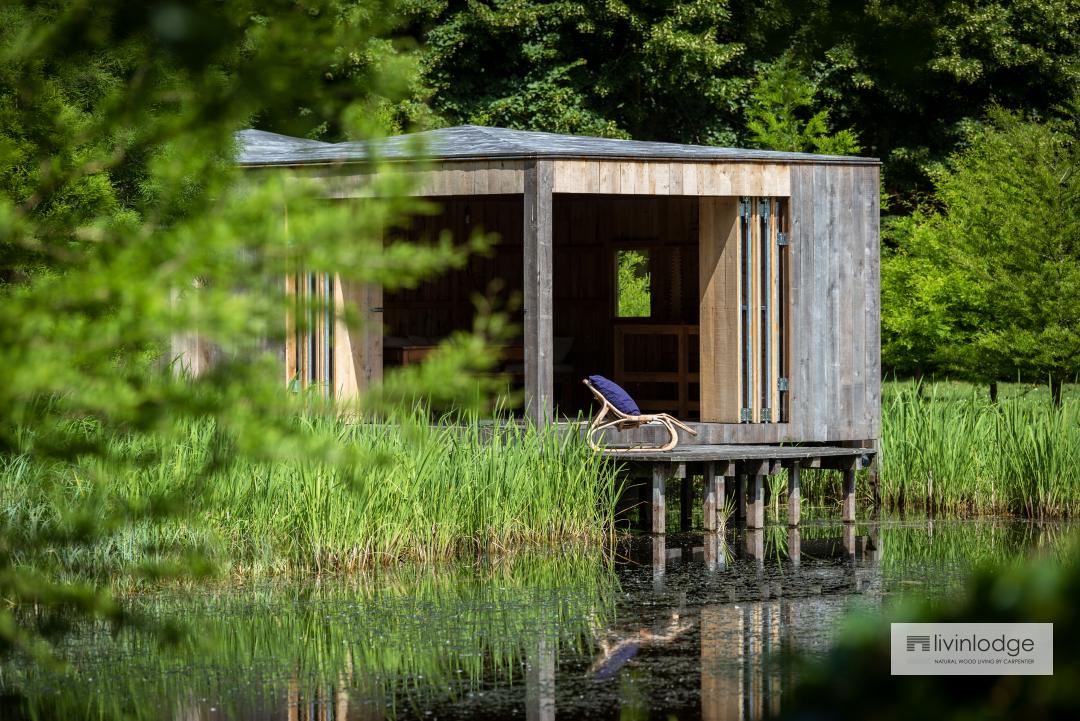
column 610, row 174
column 822, row 335
column 290, row 328
column 859, row 426
column 365, row 340
column 845, row 240
column 538, row 266
column 627, row 177
column 718, row 309
column 872, row 272
column 675, row 178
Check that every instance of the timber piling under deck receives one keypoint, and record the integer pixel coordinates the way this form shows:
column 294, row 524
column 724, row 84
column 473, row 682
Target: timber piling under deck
column 747, row 465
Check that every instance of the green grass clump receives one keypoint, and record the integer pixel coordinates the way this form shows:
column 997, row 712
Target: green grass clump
column 416, row 491
column 957, row 452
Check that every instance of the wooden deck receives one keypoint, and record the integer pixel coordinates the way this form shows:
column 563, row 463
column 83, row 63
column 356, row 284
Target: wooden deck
column 741, row 466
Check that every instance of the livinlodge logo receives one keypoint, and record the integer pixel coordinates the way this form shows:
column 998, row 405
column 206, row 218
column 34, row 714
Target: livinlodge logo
column 921, row 641
column 972, row 649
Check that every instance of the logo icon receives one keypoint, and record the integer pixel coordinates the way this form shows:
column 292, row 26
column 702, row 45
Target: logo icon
column 913, row 641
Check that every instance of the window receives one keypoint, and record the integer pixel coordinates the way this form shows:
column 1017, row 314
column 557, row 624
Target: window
column 763, row 300
column 633, row 284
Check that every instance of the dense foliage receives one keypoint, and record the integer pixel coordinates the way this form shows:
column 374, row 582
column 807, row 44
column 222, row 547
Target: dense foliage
column 985, row 281
column 123, row 221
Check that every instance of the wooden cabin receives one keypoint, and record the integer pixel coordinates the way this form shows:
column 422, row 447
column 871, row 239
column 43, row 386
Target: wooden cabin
column 736, row 289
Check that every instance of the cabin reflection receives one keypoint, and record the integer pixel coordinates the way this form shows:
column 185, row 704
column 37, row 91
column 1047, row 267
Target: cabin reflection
column 762, row 591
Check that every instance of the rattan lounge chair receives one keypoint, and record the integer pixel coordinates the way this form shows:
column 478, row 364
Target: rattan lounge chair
column 610, row 416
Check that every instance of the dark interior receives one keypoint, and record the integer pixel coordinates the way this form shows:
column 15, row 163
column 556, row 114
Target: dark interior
column 655, row 355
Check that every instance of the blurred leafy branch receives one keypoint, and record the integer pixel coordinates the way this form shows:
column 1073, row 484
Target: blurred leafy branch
column 124, row 221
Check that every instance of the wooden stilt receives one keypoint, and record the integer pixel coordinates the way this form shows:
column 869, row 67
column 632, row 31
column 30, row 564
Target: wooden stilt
column 794, row 502
column 713, row 504
column 659, row 509
column 686, row 503
column 794, row 546
column 659, row 560
column 849, row 495
column 849, row 540
column 756, row 517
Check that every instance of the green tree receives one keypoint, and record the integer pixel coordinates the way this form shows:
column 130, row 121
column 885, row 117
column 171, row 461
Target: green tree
column 913, row 77
column 987, row 284
column 659, row 71
column 780, row 114
column 119, row 196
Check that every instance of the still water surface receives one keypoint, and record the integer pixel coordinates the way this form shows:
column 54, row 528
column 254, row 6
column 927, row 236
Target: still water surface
column 690, row 626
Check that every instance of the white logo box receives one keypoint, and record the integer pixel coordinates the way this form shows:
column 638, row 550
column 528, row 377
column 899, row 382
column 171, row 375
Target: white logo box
column 972, row 649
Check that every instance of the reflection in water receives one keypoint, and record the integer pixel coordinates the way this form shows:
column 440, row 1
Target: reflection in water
column 616, row 648
column 693, row 626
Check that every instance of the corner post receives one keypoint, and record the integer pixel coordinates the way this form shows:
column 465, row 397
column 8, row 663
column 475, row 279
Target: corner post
column 537, row 248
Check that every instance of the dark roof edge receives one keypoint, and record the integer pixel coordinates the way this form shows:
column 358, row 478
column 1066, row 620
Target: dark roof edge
column 824, row 160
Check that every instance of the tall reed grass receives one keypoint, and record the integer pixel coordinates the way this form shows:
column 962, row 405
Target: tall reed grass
column 957, row 453
column 418, row 492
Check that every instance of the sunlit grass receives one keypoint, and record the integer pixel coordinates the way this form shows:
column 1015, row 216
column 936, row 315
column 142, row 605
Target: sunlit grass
column 422, row 492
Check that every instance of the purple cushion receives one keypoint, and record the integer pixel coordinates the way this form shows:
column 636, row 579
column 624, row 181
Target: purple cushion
column 615, row 395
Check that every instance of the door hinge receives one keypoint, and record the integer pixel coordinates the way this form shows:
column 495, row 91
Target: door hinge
column 782, row 384
column 781, row 239
column 744, row 208
column 763, row 208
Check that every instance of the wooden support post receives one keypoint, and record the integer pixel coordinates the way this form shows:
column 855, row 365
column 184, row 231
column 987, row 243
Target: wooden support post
column 756, row 517
column 755, row 544
column 686, row 503
column 714, row 500
column 794, row 546
column 540, row 680
column 714, row 551
column 659, row 510
column 659, row 561
column 849, row 540
column 740, row 497
column 539, row 330
column 849, row 495
column 794, row 501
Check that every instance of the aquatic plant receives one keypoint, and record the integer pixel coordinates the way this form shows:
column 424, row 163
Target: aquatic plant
column 951, row 452
column 418, row 491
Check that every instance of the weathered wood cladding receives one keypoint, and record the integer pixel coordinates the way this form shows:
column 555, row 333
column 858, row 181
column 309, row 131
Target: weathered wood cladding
column 835, row 368
column 607, row 177
column 650, row 177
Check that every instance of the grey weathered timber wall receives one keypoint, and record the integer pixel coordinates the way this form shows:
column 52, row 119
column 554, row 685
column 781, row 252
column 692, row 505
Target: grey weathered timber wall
column 835, row 319
column 835, row 373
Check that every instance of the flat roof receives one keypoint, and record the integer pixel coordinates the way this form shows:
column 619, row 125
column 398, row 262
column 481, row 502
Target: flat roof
column 474, row 142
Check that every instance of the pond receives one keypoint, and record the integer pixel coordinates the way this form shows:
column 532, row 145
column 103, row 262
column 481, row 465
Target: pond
column 687, row 626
